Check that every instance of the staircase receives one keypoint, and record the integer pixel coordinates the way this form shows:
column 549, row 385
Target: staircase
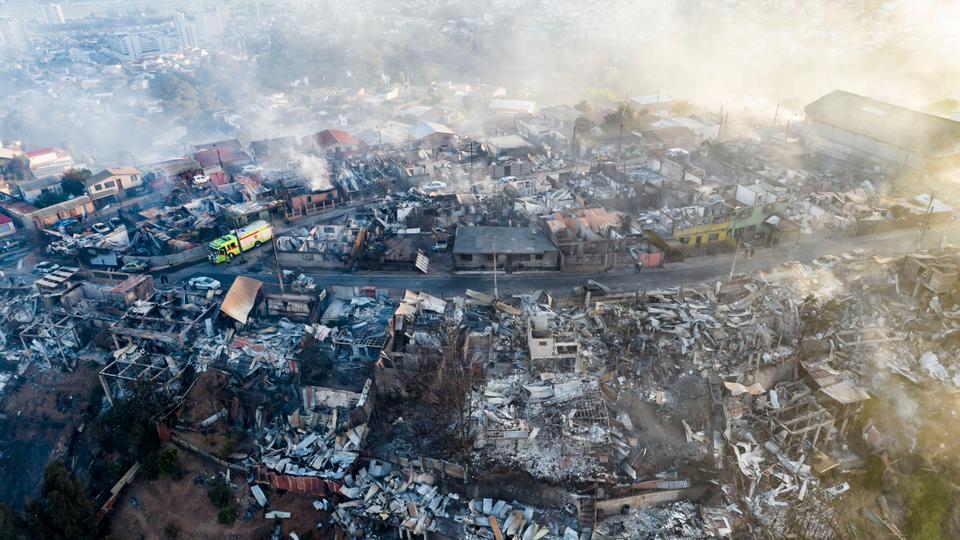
column 587, row 515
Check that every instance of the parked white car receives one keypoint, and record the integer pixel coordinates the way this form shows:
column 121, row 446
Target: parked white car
column 204, row 283
column 435, row 186
column 101, row 228
column 45, row 267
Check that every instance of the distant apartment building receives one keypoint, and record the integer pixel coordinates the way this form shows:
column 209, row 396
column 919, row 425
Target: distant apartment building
column 13, row 36
column 134, row 46
column 53, row 14
column 186, row 31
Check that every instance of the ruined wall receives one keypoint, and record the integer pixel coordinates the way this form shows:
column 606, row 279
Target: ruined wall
column 188, row 256
column 294, row 259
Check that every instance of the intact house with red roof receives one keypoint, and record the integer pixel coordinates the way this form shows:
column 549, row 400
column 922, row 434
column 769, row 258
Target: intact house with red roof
column 332, row 143
column 7, row 227
column 49, row 161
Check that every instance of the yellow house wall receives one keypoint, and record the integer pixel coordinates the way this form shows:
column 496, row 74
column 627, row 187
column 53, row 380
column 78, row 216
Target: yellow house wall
column 704, row 232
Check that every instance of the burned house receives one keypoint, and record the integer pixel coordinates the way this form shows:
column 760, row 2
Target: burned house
column 307, row 195
column 220, row 159
column 55, row 337
column 172, row 171
column 700, row 229
column 670, row 137
column 322, row 246
column 596, row 240
column 275, row 153
column 242, row 214
column 513, row 146
column 29, row 217
column 417, row 343
column 552, row 349
column 166, row 323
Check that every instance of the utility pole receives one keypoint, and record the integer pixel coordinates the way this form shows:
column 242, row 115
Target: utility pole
column 236, row 233
column 276, row 262
column 620, row 147
column 720, row 127
column 573, row 141
column 496, row 292
column 219, row 160
column 926, row 223
column 733, row 265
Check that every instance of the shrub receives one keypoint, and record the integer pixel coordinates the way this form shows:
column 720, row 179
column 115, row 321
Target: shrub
column 169, row 463
column 928, row 506
column 219, row 492
column 227, row 515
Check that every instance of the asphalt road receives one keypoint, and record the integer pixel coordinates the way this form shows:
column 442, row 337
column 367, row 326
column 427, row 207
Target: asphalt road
column 689, row 272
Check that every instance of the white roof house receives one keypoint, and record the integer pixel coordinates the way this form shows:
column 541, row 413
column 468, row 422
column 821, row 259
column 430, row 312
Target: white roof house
column 425, row 129
column 513, row 106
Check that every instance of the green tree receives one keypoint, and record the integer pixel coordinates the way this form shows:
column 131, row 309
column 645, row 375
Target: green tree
column 625, row 115
column 128, row 429
column 65, row 511
column 72, row 181
column 227, row 515
column 17, row 168
column 49, row 198
column 177, row 94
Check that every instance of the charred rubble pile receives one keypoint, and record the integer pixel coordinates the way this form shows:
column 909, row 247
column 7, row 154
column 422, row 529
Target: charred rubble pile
column 785, row 363
column 750, row 406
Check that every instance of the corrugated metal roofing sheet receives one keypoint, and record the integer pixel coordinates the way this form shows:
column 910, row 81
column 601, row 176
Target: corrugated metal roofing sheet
column 240, row 298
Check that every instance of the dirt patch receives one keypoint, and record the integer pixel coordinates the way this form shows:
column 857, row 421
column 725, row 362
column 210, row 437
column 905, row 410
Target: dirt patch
column 40, row 415
column 147, row 507
column 659, row 429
